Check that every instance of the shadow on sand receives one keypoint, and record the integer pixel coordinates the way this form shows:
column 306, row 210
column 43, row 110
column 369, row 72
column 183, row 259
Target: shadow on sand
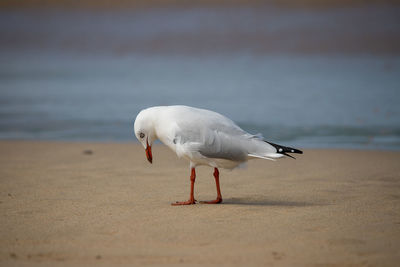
column 267, row 202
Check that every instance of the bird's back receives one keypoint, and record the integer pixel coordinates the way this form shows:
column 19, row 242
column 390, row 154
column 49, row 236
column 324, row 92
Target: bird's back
column 207, row 137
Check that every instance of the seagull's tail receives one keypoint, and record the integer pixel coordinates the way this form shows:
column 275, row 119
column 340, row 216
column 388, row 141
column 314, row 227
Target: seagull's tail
column 284, row 150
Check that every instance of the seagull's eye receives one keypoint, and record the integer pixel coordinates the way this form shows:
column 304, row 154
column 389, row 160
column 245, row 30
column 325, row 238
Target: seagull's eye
column 141, row 135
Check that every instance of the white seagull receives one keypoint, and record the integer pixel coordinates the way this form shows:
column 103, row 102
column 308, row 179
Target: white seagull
column 203, row 137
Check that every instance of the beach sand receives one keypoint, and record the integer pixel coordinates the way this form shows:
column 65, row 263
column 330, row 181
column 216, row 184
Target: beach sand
column 81, row 204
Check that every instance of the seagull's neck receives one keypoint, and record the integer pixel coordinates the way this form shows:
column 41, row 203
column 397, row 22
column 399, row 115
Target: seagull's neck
column 156, row 119
column 163, row 128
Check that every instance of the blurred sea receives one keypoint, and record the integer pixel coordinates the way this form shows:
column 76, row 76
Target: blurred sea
column 324, row 78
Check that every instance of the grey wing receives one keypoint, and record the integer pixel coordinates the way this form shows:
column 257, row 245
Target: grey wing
column 214, row 140
column 220, row 145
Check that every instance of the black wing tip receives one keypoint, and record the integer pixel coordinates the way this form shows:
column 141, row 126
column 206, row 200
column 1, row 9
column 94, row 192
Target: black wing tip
column 285, row 150
column 290, row 156
column 297, row 151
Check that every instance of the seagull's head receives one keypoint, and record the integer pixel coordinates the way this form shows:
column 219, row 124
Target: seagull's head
column 144, row 132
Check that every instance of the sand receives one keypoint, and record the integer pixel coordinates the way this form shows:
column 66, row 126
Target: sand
column 82, row 204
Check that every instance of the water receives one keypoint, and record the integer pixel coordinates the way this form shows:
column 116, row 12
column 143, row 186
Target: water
column 82, row 76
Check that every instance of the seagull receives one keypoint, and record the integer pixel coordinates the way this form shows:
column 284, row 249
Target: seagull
column 203, row 137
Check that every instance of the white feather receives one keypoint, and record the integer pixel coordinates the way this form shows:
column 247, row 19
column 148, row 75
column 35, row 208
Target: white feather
column 204, row 137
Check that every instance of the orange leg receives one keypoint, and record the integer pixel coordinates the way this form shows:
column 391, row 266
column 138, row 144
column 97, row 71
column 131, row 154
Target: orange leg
column 191, row 199
column 219, row 196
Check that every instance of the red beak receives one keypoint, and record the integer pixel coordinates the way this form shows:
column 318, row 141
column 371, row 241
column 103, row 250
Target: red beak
column 148, row 153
